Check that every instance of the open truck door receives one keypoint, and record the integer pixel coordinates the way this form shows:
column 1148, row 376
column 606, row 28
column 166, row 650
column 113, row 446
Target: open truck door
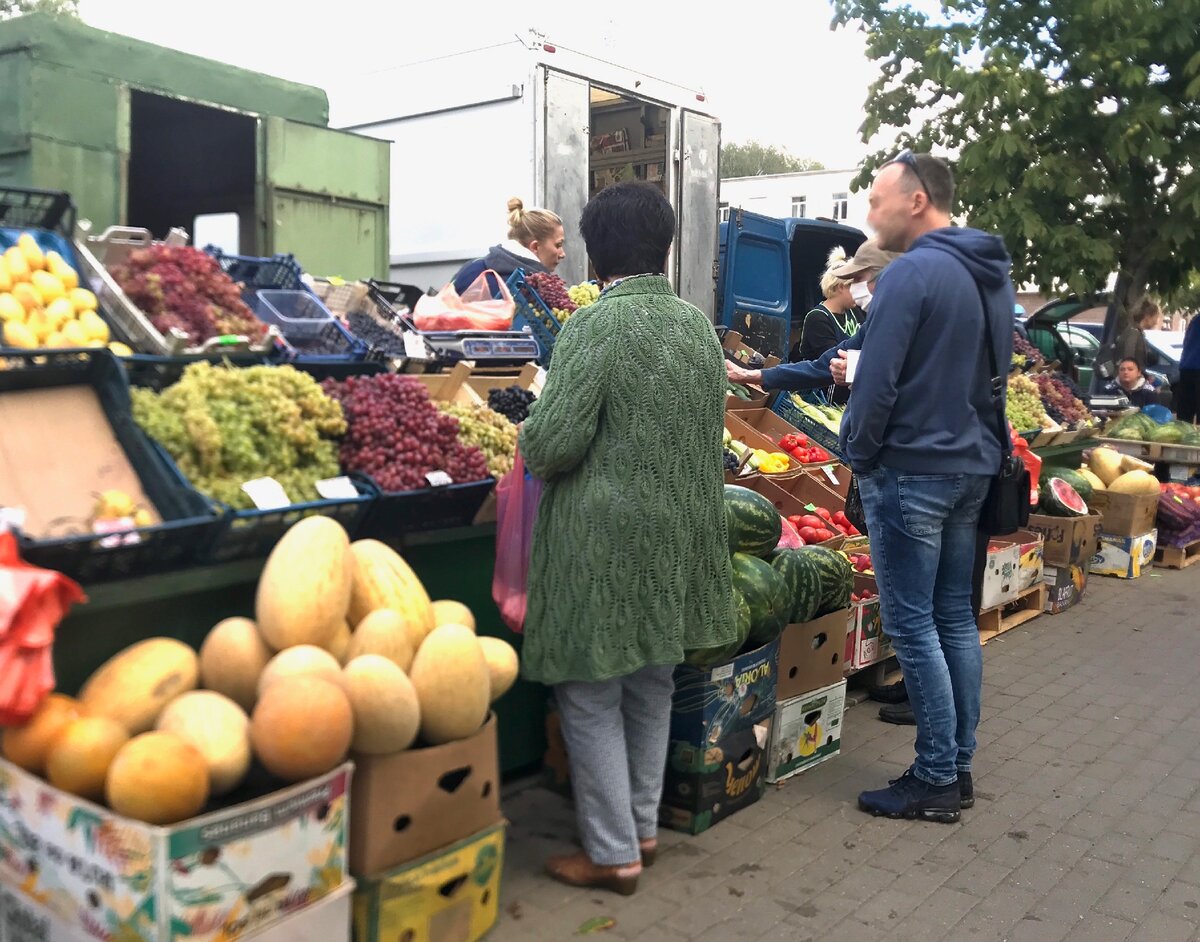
column 754, row 291
column 696, row 221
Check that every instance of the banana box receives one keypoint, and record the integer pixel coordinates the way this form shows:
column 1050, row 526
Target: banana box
column 807, row 731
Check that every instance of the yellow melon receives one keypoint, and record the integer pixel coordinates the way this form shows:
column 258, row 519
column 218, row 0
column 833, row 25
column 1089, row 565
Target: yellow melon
column 339, row 645
column 453, row 684
column 232, row 659
column 387, row 715
column 382, row 579
column 157, row 778
column 304, row 660
column 450, row 612
column 80, row 757
column 383, row 632
column 1105, row 464
column 502, row 664
column 28, row 745
column 301, row 727
column 132, row 687
column 1135, row 482
column 304, row 590
column 216, row 726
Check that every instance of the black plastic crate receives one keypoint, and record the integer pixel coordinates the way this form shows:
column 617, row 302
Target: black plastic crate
column 397, row 513
column 158, row 373
column 22, row 208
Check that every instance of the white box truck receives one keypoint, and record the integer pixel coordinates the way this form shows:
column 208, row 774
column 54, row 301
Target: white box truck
column 552, row 126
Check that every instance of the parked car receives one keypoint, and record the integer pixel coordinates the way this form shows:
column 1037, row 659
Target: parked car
column 1165, row 348
column 1073, row 348
column 1096, row 330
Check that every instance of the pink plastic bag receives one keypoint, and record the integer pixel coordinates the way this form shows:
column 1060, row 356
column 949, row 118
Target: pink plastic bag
column 474, row 309
column 517, row 497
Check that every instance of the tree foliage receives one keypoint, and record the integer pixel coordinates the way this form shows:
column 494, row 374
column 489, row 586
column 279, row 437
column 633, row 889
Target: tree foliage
column 1074, row 127
column 753, row 159
column 11, row 8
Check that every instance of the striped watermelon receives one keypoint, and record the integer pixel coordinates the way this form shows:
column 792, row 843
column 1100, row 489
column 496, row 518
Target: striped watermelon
column 754, row 524
column 706, row 657
column 766, row 593
column 835, row 576
column 800, row 572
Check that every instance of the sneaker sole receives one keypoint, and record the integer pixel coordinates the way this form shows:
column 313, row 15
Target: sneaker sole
column 938, row 817
column 897, row 720
column 968, row 802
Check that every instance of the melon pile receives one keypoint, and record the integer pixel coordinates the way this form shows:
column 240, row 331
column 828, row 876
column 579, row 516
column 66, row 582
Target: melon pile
column 346, row 654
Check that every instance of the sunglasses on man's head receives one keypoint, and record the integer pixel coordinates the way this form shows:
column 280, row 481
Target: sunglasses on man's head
column 909, row 160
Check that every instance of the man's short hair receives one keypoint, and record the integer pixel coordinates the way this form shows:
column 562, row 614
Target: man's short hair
column 1132, row 360
column 934, row 176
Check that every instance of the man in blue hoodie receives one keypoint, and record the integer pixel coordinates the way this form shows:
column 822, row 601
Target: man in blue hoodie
column 924, row 439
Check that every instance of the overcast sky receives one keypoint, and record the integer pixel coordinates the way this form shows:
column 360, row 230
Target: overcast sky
column 772, row 70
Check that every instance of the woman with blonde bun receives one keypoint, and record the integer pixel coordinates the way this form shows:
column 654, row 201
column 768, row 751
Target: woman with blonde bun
column 535, row 244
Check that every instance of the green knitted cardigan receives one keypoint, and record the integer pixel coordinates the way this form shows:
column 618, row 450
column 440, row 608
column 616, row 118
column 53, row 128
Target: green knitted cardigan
column 630, row 560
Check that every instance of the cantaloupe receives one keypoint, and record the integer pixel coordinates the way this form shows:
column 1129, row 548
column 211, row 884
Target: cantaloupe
column 304, row 660
column 216, row 726
column 157, row 778
column 232, row 659
column 450, row 612
column 132, row 687
column 1135, row 482
column 383, row 632
column 1105, row 464
column 80, row 757
column 502, row 664
column 382, row 579
column 301, row 727
column 387, row 715
column 304, row 589
column 28, row 745
column 340, row 644
column 453, row 684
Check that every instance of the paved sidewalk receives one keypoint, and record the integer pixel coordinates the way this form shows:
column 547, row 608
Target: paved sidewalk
column 1086, row 824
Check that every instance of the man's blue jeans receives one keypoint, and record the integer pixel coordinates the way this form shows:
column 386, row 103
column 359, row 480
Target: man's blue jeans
column 922, row 529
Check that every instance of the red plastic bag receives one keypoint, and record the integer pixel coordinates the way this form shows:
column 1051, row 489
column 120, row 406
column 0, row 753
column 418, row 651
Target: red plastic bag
column 32, row 603
column 474, row 309
column 517, row 497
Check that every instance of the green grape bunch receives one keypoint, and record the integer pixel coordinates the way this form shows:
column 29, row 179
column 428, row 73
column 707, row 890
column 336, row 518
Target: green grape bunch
column 1024, row 404
column 489, row 431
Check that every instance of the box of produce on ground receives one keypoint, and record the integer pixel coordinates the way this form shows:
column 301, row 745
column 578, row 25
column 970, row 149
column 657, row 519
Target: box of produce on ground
column 866, row 643
column 1068, row 539
column 706, row 784
column 452, row 895
column 1125, row 557
column 1125, row 514
column 812, row 654
column 1178, row 516
column 710, row 703
column 1032, row 560
column 767, row 457
column 1001, row 574
column 806, row 731
column 1066, row 584
column 88, row 493
column 409, row 804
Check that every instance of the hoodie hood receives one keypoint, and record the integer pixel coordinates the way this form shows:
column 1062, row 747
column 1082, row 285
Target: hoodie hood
column 508, row 256
column 983, row 254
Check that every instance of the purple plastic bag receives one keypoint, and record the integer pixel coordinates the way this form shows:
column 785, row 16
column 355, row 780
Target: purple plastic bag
column 517, row 497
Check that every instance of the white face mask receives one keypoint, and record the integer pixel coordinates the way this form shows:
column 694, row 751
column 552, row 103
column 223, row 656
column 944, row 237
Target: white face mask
column 861, row 294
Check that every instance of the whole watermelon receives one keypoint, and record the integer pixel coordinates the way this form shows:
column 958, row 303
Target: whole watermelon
column 803, row 578
column 767, row 595
column 754, row 524
column 707, row 657
column 836, row 577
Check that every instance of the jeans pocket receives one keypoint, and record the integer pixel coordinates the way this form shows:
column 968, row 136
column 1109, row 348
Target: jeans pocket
column 926, row 500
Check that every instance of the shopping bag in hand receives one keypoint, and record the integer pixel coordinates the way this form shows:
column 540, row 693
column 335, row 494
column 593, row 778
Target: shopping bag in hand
column 517, row 497
column 32, row 603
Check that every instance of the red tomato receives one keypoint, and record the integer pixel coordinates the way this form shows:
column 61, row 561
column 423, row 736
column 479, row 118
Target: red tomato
column 842, row 529
column 840, row 517
column 823, row 535
column 824, row 514
column 812, row 520
column 795, row 520
column 810, row 535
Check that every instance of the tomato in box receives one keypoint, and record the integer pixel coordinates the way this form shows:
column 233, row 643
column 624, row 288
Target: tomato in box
column 810, row 535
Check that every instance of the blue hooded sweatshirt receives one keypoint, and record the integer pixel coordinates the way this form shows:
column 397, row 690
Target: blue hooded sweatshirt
column 921, row 400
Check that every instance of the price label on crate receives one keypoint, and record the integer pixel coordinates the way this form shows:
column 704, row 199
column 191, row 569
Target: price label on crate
column 829, row 474
column 438, row 479
column 339, row 488
column 267, row 493
column 414, row 346
column 11, row 518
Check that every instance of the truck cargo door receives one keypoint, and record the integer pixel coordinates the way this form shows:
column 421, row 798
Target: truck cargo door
column 324, row 198
column 563, row 173
column 700, row 141
column 755, row 281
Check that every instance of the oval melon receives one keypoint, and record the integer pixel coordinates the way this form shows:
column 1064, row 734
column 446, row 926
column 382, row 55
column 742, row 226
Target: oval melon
column 383, row 632
column 79, row 760
column 157, row 778
column 301, row 727
column 218, row 728
column 304, row 589
column 1135, row 482
column 502, row 664
column 29, row 745
column 453, row 684
column 232, row 659
column 382, row 579
column 387, row 715
column 340, row 644
column 304, row 660
column 133, row 686
column 1092, row 478
column 1105, row 464
column 450, row 612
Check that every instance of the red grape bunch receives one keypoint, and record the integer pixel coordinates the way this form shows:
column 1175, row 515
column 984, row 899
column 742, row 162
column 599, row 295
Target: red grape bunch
column 552, row 290
column 1060, row 400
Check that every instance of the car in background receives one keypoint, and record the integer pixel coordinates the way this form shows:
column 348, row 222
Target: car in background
column 1165, row 349
column 1096, row 330
column 1075, row 350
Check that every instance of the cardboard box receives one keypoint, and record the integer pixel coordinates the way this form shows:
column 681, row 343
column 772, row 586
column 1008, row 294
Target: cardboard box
column 1066, row 585
column 451, row 386
column 811, row 655
column 414, row 802
column 1001, row 580
column 807, row 731
column 1125, row 514
column 1125, row 557
column 452, row 895
column 732, row 342
column 706, row 784
column 753, row 438
column 1068, row 539
column 483, row 379
column 763, row 420
column 709, row 705
column 224, row 876
column 1032, row 562
column 836, row 477
column 812, row 488
column 866, row 644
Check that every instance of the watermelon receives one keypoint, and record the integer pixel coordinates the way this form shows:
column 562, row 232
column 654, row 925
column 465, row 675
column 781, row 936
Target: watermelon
column 800, row 572
column 1060, row 499
column 836, row 578
column 1083, row 487
column 766, row 593
column 706, row 657
column 754, row 524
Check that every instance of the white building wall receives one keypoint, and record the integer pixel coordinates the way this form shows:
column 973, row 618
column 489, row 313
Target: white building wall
column 811, row 194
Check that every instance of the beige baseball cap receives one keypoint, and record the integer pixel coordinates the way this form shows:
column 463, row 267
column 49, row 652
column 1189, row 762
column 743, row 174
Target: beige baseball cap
column 869, row 256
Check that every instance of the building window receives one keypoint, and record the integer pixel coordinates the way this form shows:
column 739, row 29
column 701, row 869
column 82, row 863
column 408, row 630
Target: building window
column 723, row 212
column 799, row 207
column 841, row 206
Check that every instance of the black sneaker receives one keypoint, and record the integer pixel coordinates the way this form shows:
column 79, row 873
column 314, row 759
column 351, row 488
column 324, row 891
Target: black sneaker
column 909, row 797
column 899, row 713
column 966, row 789
column 888, row 693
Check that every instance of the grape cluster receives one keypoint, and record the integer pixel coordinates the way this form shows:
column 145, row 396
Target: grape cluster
column 225, row 426
column 731, row 460
column 584, row 295
column 178, row 286
column 512, row 402
column 397, row 435
column 551, row 289
column 1025, row 354
column 1024, row 404
column 1061, row 400
column 375, row 334
column 488, row 431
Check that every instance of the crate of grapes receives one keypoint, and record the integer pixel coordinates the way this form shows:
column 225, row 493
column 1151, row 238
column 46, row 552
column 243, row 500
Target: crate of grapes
column 533, row 312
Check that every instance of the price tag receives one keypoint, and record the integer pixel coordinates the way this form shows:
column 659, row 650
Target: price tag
column 811, row 508
column 11, row 518
column 540, row 379
column 414, row 346
column 267, row 493
column 339, row 488
column 438, row 479
column 829, row 474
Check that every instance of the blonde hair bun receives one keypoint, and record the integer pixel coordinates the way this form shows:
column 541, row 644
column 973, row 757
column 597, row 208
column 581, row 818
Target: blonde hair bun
column 530, row 225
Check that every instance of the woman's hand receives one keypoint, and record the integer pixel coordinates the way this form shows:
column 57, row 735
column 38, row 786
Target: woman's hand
column 738, row 375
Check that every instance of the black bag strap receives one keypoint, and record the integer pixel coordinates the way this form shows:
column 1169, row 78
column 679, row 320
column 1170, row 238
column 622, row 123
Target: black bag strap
column 998, row 383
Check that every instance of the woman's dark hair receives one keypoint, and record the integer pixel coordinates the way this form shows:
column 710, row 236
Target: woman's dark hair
column 627, row 229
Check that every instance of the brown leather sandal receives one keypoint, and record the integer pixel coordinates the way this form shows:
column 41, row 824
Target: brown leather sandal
column 648, row 848
column 578, row 870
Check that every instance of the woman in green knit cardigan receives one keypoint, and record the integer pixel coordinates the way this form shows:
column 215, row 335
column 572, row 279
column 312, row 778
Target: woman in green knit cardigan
column 630, row 560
